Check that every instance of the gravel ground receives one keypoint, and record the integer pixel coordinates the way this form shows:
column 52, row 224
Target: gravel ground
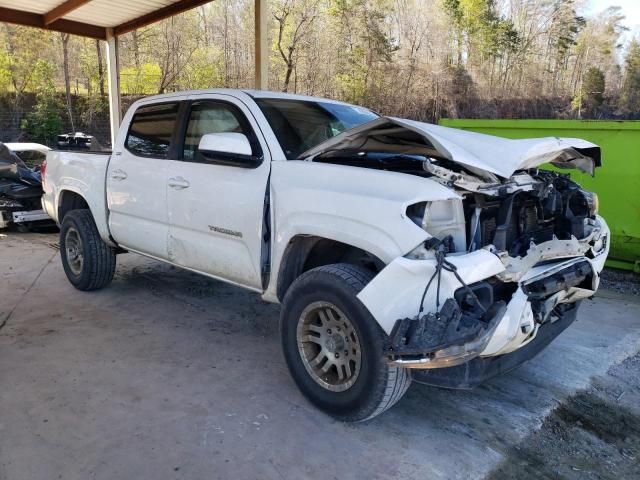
column 166, row 374
column 594, row 434
column 620, row 281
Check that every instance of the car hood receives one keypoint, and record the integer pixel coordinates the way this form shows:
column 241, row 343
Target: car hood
column 476, row 151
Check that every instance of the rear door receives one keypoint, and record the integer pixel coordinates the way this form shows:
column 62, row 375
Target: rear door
column 137, row 179
column 216, row 211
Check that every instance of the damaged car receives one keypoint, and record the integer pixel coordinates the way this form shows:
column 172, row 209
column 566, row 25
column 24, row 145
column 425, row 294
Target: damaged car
column 20, row 184
column 400, row 251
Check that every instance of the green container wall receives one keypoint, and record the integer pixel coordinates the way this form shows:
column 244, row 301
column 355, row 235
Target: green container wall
column 617, row 182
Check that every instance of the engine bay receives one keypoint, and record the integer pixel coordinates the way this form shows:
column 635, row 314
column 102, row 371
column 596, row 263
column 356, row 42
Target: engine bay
column 532, row 207
column 556, row 208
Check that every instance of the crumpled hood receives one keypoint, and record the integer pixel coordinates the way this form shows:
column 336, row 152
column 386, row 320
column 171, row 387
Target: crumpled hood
column 477, row 151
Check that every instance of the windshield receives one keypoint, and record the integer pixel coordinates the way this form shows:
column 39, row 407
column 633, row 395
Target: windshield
column 302, row 124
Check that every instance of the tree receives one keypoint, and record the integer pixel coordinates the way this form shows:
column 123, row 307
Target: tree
column 177, row 40
column 64, row 38
column 410, row 58
column 100, row 68
column 43, row 123
column 630, row 94
column 480, row 32
column 591, row 94
column 5, row 72
column 294, row 19
column 25, row 48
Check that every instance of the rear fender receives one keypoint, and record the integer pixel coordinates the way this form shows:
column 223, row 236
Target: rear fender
column 97, row 209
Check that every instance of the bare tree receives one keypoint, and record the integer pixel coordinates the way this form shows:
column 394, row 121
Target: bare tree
column 64, row 37
column 100, row 69
column 297, row 17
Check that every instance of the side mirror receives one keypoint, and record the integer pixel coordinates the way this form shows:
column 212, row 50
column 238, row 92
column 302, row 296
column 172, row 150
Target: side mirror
column 229, row 148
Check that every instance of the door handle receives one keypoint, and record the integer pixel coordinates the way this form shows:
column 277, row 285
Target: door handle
column 178, row 183
column 118, row 174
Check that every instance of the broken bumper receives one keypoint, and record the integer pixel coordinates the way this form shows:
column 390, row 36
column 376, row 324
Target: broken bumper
column 565, row 273
column 480, row 369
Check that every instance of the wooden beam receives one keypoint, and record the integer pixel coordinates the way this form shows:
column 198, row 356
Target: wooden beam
column 157, row 15
column 63, row 9
column 65, row 26
column 261, row 50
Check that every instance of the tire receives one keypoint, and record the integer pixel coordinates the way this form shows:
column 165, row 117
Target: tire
column 88, row 262
column 324, row 297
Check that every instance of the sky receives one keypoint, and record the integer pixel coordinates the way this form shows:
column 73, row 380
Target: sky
column 630, row 8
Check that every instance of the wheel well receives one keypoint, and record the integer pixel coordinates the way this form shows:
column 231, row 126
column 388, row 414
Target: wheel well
column 306, row 252
column 70, row 201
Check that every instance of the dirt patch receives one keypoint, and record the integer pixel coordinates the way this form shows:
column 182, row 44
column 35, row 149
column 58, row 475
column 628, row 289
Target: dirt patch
column 594, row 434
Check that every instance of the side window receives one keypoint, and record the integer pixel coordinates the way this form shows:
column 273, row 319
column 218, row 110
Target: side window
column 151, row 129
column 214, row 117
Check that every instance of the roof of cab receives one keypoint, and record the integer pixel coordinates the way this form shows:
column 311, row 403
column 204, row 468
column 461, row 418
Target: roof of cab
column 240, row 93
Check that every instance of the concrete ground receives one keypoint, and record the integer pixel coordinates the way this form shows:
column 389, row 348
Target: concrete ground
column 166, row 374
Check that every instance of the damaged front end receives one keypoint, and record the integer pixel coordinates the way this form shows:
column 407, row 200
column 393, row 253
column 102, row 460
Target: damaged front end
column 509, row 256
column 506, row 265
column 485, row 297
column 461, row 317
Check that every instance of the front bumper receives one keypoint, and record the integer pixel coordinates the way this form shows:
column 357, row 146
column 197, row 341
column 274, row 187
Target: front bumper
column 478, row 370
column 564, row 272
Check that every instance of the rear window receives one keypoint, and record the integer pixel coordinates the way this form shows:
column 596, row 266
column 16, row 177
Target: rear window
column 151, row 130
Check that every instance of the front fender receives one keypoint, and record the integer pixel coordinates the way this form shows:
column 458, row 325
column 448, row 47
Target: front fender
column 360, row 207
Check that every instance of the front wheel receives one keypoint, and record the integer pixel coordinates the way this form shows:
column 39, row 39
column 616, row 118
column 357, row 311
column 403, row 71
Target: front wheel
column 334, row 347
column 88, row 262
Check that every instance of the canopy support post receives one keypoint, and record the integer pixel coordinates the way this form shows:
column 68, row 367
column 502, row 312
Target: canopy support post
column 113, row 76
column 261, row 44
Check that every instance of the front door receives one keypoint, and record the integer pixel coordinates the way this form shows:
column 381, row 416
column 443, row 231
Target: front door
column 216, row 211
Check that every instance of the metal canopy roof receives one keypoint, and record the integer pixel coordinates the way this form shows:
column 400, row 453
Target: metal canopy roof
column 92, row 18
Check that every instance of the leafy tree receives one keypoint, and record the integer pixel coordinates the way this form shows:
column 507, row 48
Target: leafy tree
column 203, row 71
column 365, row 45
column 144, row 80
column 5, row 72
column 563, row 33
column 25, row 48
column 630, row 94
column 591, row 95
column 43, row 124
column 487, row 34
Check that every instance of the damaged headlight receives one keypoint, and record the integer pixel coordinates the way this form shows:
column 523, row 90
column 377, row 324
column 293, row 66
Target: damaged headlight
column 592, row 201
column 441, row 218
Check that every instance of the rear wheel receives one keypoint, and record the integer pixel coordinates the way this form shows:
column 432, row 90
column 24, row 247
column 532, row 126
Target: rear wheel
column 334, row 347
column 88, row 262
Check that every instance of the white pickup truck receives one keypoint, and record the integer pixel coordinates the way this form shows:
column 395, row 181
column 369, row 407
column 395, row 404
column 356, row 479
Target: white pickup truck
column 399, row 250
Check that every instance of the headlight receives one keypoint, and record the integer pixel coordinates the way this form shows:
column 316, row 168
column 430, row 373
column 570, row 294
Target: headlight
column 441, row 218
column 592, row 201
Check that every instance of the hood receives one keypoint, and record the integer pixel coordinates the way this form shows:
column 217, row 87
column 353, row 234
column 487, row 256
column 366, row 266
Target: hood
column 476, row 151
